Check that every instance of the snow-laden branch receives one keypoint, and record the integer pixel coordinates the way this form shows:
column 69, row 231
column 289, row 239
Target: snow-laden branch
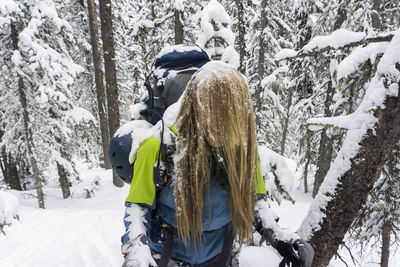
column 352, row 62
column 8, row 7
column 384, row 84
column 281, row 178
column 344, row 122
column 339, row 39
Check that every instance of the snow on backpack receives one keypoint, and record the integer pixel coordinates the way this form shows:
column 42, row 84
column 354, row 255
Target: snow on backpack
column 171, row 71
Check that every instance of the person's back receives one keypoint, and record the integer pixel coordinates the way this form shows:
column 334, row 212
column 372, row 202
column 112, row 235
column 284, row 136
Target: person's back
column 211, row 197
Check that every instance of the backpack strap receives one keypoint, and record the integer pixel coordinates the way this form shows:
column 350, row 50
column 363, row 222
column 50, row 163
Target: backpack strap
column 168, row 247
column 163, row 174
column 226, row 251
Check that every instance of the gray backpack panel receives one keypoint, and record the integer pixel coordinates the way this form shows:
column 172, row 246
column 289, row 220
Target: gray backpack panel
column 173, row 88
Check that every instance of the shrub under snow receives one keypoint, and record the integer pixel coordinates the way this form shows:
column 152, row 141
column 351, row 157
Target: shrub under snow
column 8, row 209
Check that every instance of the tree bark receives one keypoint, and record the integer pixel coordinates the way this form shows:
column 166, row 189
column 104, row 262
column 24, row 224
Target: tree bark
column 110, row 72
column 316, row 52
column 355, row 184
column 98, row 75
column 178, row 27
column 107, row 37
column 64, row 183
column 325, row 145
column 308, row 160
column 30, row 144
column 27, row 132
column 261, row 62
column 375, row 17
column 10, row 172
column 286, row 122
column 341, row 16
column 241, row 42
column 9, row 169
column 385, row 251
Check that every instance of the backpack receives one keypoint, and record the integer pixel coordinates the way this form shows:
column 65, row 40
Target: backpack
column 171, row 71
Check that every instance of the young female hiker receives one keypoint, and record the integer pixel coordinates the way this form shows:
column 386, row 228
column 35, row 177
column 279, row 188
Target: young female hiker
column 216, row 193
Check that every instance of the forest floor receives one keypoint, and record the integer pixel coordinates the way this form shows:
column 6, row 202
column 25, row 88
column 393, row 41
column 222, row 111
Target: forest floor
column 79, row 232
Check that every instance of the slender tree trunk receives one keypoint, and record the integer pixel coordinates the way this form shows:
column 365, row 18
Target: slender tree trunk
column 178, row 26
column 82, row 3
column 10, row 172
column 98, row 75
column 110, row 72
column 325, row 145
column 241, row 42
column 308, row 160
column 261, row 62
column 286, row 122
column 355, row 184
column 4, row 163
column 27, row 132
column 9, row 168
column 385, row 252
column 64, row 183
column 107, row 37
column 375, row 17
column 29, row 144
column 341, row 16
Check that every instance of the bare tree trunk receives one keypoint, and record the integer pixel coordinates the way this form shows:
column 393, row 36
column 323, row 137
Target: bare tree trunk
column 375, row 17
column 64, row 183
column 82, row 3
column 110, row 72
column 98, row 75
column 241, row 42
column 107, row 37
column 4, row 163
column 9, row 169
column 261, row 62
column 178, row 27
column 385, row 252
column 325, row 145
column 10, row 172
column 27, row 132
column 308, row 160
column 29, row 144
column 286, row 123
column 355, row 184
column 341, row 17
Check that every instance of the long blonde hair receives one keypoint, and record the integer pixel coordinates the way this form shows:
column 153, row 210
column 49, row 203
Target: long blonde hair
column 216, row 119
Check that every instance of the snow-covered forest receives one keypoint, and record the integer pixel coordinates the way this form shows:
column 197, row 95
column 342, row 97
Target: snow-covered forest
column 324, row 77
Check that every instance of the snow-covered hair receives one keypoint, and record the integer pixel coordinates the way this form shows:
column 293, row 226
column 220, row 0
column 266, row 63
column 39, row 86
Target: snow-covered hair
column 216, row 120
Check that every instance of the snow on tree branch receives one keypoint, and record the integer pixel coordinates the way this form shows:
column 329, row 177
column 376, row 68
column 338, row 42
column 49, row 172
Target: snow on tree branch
column 339, row 39
column 216, row 36
column 384, row 84
column 361, row 54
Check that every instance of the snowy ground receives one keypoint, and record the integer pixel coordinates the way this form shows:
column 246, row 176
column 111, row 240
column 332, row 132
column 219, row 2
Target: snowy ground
column 72, row 232
column 86, row 232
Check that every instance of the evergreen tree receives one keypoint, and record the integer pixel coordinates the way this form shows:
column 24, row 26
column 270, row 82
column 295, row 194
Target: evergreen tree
column 41, row 72
column 216, row 36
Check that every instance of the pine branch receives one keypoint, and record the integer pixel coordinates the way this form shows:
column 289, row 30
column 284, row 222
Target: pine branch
column 302, row 54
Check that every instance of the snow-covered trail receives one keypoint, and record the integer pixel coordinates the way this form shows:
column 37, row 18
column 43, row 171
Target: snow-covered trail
column 72, row 232
column 86, row 232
